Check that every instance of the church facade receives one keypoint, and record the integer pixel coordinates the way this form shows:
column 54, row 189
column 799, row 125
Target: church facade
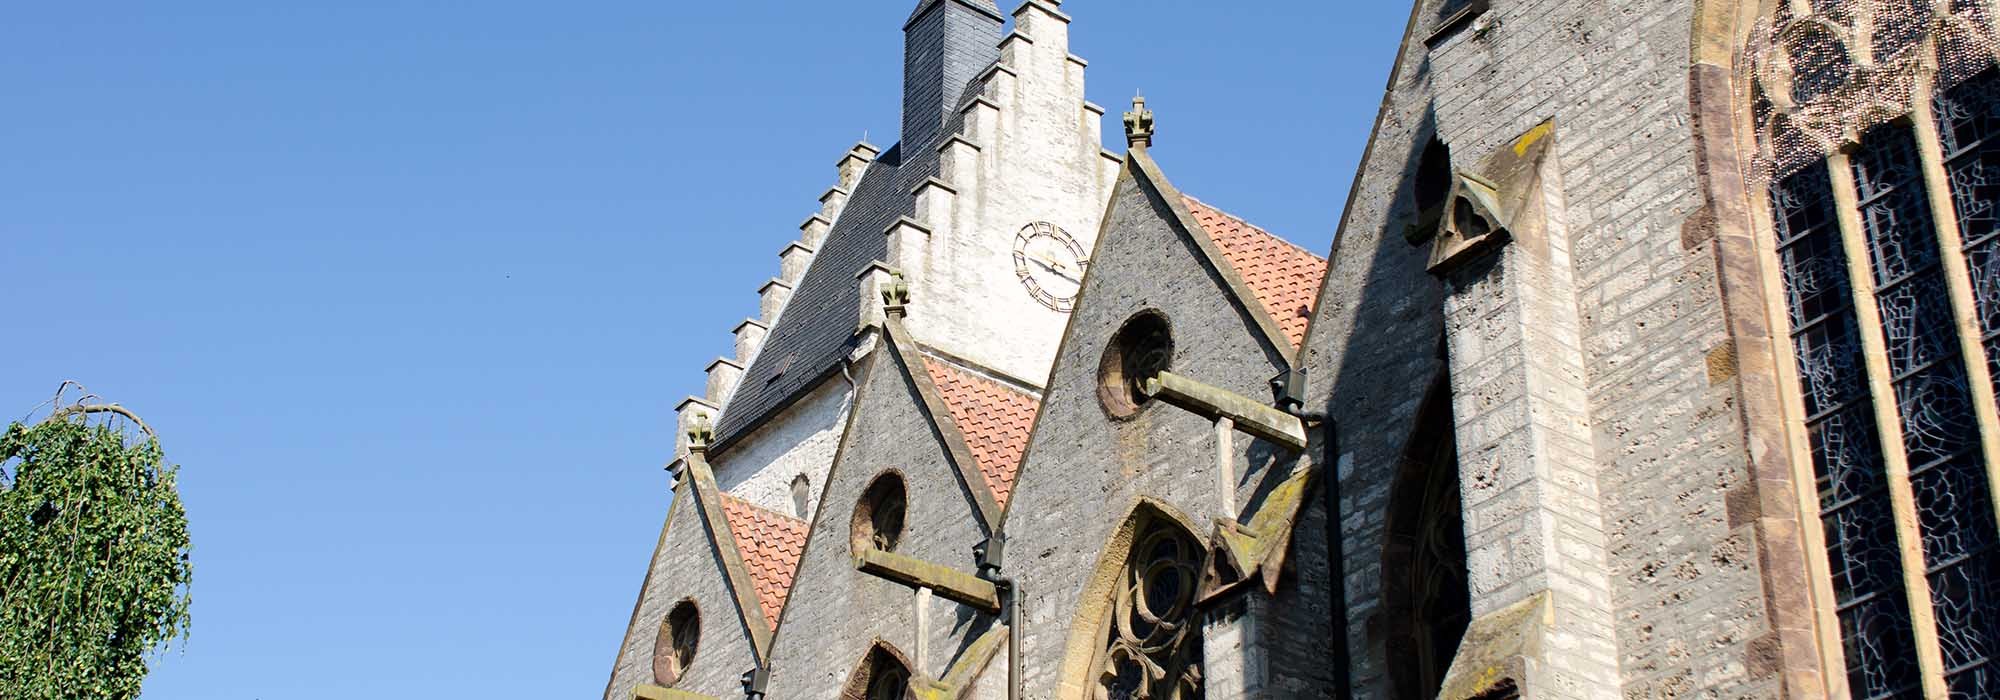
column 1655, row 357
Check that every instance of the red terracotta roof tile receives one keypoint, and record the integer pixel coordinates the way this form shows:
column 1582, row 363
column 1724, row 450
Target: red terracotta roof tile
column 1284, row 277
column 771, row 544
column 995, row 419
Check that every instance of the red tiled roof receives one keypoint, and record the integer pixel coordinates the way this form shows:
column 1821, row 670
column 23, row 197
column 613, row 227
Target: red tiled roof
column 995, row 419
column 771, row 544
column 1284, row 277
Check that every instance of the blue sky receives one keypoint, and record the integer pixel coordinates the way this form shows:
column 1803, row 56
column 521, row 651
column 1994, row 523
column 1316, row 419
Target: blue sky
column 410, row 289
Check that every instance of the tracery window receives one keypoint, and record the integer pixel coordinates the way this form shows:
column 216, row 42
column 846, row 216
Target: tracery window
column 1426, row 594
column 882, row 675
column 878, row 516
column 1877, row 123
column 1153, row 647
column 890, row 682
column 674, row 648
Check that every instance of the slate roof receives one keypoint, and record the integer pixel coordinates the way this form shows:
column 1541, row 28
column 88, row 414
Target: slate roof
column 1284, row 276
column 815, row 332
column 995, row 419
column 770, row 544
column 985, row 6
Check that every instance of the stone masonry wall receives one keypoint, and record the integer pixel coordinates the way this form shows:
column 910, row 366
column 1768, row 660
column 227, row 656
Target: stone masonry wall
column 1037, row 158
column 837, row 612
column 1084, row 470
column 686, row 567
column 1372, row 352
column 1612, row 74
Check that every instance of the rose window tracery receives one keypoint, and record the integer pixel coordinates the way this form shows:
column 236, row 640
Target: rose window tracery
column 1153, row 649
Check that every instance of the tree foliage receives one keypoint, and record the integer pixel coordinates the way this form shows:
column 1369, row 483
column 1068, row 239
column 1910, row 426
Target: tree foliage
column 94, row 566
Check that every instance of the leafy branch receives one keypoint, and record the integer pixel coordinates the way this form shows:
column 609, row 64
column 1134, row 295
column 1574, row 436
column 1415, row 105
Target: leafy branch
column 94, row 566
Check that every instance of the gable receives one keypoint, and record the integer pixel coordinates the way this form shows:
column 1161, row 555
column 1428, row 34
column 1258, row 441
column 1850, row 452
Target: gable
column 842, row 611
column 1084, row 469
column 685, row 566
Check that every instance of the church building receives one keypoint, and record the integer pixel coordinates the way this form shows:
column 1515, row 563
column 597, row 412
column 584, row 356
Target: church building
column 1655, row 356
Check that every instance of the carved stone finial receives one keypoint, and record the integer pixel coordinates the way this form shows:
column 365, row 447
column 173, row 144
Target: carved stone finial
column 699, row 434
column 896, row 295
column 1139, row 124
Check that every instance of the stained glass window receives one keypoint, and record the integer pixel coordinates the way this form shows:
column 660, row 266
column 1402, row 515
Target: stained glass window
column 1153, row 650
column 1969, row 132
column 1934, row 405
column 1846, row 450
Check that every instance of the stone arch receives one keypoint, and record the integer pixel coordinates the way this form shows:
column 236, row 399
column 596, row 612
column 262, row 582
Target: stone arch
column 883, row 672
column 1426, row 594
column 1084, row 654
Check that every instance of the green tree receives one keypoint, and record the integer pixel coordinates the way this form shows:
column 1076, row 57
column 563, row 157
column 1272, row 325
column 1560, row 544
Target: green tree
column 94, row 564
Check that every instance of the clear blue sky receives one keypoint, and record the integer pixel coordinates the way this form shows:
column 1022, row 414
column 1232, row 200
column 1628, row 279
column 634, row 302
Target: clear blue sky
column 411, row 289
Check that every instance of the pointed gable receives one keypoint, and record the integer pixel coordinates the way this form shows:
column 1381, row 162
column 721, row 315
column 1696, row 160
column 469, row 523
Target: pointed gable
column 771, row 544
column 994, row 417
column 1284, row 277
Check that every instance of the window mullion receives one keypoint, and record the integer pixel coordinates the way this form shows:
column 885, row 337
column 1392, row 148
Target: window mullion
column 1958, row 282
column 1811, row 528
column 1888, row 423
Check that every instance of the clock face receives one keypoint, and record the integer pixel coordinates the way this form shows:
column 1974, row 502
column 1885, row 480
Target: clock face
column 1050, row 264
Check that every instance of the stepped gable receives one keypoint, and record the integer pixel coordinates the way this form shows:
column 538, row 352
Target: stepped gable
column 1284, row 277
column 817, row 329
column 995, row 419
column 771, row 544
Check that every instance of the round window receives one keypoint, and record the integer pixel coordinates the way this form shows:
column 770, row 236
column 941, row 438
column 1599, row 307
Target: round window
column 1142, row 348
column 878, row 518
column 673, row 650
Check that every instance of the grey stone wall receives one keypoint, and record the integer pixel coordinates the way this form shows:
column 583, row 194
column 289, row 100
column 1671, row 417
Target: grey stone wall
column 837, row 612
column 1686, row 596
column 686, row 567
column 1372, row 352
column 1085, row 471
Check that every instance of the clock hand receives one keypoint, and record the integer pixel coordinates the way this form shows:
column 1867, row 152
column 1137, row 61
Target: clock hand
column 1060, row 269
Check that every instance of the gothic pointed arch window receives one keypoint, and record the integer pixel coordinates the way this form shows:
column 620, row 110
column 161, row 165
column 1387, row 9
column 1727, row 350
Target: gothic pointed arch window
column 884, row 674
column 1151, row 642
column 1426, row 596
column 1878, row 133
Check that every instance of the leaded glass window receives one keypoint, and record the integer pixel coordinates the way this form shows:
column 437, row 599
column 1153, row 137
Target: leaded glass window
column 1153, row 649
column 1969, row 133
column 1854, row 501
column 1893, row 383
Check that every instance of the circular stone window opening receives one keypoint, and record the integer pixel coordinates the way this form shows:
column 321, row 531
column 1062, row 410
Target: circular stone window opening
column 878, row 518
column 673, row 650
column 1142, row 348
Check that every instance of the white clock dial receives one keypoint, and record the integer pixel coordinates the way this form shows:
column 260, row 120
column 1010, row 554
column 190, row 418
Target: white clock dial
column 1049, row 264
